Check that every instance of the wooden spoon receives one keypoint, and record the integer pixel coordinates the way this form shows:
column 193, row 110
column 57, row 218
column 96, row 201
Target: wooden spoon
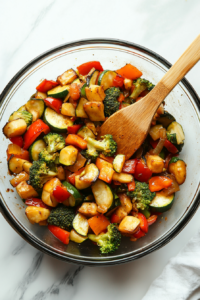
column 129, row 126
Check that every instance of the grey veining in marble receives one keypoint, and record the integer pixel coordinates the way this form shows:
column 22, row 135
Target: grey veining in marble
column 29, row 28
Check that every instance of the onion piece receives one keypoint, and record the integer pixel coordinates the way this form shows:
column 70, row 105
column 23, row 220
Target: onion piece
column 174, row 187
column 160, row 145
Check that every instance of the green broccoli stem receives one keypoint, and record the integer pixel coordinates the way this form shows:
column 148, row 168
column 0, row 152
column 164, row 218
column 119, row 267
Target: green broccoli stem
column 99, row 145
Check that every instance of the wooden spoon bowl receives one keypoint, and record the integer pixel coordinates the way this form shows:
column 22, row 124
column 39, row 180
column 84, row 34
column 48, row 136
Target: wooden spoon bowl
column 129, row 126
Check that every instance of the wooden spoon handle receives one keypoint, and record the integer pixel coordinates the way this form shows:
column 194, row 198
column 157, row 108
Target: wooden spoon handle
column 183, row 65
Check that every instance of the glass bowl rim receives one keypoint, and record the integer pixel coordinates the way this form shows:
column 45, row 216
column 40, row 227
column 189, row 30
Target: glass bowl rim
column 163, row 240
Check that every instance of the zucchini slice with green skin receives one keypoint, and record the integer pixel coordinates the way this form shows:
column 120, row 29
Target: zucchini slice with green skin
column 176, row 128
column 161, row 203
column 80, row 112
column 77, row 238
column 80, row 224
column 103, row 195
column 35, row 105
column 22, row 108
column 90, row 174
column 166, row 119
column 91, row 80
column 68, row 156
column 118, row 162
column 56, row 122
column 83, row 94
column 15, row 128
column 25, row 115
column 59, row 92
column 106, row 79
column 36, row 148
column 75, row 198
column 85, row 132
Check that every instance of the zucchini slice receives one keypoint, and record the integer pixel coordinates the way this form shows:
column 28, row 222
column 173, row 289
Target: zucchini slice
column 22, row 108
column 91, row 80
column 80, row 184
column 90, row 174
column 68, row 156
column 106, row 79
column 80, row 224
column 165, row 119
column 36, row 148
column 162, row 203
column 95, row 93
column 83, row 94
column 176, row 128
column 77, row 238
column 75, row 198
column 57, row 122
column 59, row 92
column 67, row 77
column 14, row 128
column 35, row 107
column 85, row 132
column 103, row 195
column 80, row 112
column 68, row 109
column 25, row 115
column 118, row 162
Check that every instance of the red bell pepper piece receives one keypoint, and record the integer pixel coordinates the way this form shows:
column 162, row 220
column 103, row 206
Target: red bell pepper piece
column 18, row 152
column 61, row 194
column 46, row 85
column 54, row 103
column 36, row 202
column 121, row 98
column 17, row 140
column 118, row 81
column 143, row 222
column 129, row 166
column 34, row 131
column 74, row 91
column 74, row 128
column 158, row 183
column 170, row 147
column 154, row 143
column 114, row 218
column 131, row 186
column 75, row 140
column 71, row 177
column 142, row 172
column 130, row 72
column 152, row 219
column 60, row 233
column 98, row 223
column 139, row 234
column 85, row 68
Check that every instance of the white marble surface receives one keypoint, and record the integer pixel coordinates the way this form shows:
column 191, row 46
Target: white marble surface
column 28, row 28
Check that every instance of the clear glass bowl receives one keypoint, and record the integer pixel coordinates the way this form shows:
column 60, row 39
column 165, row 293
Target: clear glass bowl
column 182, row 102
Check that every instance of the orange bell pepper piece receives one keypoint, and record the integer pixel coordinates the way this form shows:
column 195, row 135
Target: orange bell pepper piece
column 158, row 183
column 98, row 223
column 130, row 72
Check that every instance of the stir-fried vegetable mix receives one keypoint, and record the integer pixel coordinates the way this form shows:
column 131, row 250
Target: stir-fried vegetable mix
column 74, row 182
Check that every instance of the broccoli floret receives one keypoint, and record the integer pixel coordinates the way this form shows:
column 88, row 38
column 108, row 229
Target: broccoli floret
column 62, row 216
column 107, row 146
column 39, row 174
column 90, row 153
column 111, row 105
column 142, row 195
column 109, row 241
column 141, row 85
column 47, row 157
column 54, row 141
column 25, row 115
